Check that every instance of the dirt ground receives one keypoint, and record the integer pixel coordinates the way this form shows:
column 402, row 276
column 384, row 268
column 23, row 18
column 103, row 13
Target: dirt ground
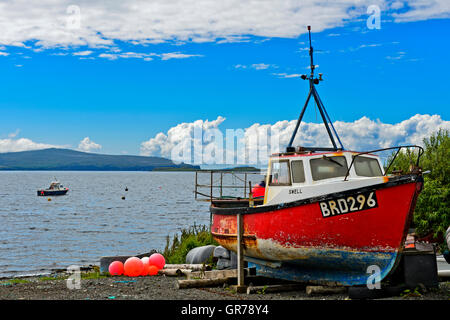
column 163, row 288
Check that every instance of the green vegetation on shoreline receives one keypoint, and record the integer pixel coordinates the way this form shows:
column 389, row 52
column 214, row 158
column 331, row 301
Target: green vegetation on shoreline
column 432, row 212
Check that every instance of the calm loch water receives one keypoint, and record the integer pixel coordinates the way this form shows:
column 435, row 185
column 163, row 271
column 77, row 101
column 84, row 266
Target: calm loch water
column 92, row 220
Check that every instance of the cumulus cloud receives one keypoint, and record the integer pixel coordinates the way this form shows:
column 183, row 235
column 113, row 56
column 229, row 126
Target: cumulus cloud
column 182, row 137
column 422, row 10
column 87, row 145
column 22, row 144
column 100, row 24
column 202, row 141
column 82, row 53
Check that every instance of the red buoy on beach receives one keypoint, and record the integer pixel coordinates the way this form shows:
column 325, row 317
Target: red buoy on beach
column 133, row 267
column 116, row 268
column 152, row 270
column 157, row 260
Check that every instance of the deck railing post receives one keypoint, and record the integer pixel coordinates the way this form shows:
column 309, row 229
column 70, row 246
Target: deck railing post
column 211, row 187
column 221, row 182
column 251, row 203
column 245, row 185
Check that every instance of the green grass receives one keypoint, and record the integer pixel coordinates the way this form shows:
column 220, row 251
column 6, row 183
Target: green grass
column 196, row 236
column 84, row 276
column 13, row 281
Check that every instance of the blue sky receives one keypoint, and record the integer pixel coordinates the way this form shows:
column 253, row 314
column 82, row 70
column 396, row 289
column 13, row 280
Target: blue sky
column 125, row 92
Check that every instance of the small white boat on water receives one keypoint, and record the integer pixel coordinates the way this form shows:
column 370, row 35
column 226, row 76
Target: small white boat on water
column 55, row 189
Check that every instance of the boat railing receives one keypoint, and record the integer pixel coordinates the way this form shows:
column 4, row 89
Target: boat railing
column 225, row 184
column 398, row 148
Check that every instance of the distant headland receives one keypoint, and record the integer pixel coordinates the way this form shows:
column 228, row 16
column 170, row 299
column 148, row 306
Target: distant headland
column 71, row 160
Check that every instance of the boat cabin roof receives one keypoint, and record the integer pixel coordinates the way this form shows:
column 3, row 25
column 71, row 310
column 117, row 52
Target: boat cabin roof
column 320, row 167
column 314, row 153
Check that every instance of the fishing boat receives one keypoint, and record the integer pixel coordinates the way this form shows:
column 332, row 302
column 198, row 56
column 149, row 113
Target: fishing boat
column 329, row 215
column 55, row 189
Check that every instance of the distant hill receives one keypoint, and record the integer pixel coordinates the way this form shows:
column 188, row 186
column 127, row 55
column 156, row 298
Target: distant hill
column 65, row 159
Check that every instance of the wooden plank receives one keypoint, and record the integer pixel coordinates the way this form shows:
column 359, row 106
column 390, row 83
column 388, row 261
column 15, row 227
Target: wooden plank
column 200, row 283
column 217, row 274
column 174, row 272
column 274, row 288
column 310, row 290
column 193, row 267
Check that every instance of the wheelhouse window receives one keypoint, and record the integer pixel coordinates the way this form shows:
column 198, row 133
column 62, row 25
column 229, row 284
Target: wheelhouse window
column 298, row 172
column 328, row 167
column 367, row 167
column 279, row 173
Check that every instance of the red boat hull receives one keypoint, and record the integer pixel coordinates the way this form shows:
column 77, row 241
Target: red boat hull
column 302, row 235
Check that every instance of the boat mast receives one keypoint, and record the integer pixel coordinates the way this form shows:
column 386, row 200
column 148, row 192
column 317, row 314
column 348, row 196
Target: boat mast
column 323, row 113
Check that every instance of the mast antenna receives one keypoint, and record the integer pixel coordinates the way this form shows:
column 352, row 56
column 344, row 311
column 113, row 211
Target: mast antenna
column 325, row 117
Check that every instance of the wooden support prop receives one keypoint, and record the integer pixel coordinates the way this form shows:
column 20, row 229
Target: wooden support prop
column 200, row 283
column 310, row 290
column 193, row 267
column 275, row 288
column 240, row 287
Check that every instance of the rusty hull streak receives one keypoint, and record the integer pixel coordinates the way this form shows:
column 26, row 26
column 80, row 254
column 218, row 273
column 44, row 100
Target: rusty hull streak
column 229, row 241
column 268, row 249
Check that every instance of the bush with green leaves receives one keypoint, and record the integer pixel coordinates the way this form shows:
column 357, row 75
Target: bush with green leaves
column 432, row 213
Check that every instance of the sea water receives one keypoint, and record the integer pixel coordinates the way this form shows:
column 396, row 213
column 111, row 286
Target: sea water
column 92, row 220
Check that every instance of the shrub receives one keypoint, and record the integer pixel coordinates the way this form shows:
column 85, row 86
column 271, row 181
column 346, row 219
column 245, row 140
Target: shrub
column 432, row 214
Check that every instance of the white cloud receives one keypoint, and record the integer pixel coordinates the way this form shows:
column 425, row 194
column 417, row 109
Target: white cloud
column 424, row 10
column 147, row 56
column 178, row 55
column 260, row 66
column 82, row 53
column 22, row 144
column 100, row 24
column 109, row 56
column 263, row 139
column 240, row 66
column 287, row 75
column 397, row 5
column 256, row 66
column 87, row 145
column 179, row 136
